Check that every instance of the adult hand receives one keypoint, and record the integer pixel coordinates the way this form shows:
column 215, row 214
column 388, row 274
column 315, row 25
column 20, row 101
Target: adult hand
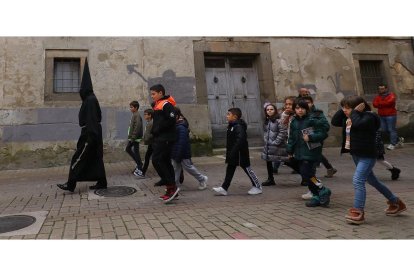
column 306, row 137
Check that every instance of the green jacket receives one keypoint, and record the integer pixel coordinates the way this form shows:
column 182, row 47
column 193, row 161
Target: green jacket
column 297, row 146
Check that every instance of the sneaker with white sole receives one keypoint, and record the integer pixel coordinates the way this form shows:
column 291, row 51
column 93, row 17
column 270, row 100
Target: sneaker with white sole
column 171, row 194
column 255, row 191
column 390, row 147
column 307, row 196
column 220, row 191
column 203, row 184
column 139, row 173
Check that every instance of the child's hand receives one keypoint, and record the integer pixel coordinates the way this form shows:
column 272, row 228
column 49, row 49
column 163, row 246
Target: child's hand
column 360, row 107
column 306, row 137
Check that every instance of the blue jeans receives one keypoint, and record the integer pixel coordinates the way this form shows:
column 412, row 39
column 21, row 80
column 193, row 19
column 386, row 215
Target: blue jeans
column 364, row 173
column 388, row 124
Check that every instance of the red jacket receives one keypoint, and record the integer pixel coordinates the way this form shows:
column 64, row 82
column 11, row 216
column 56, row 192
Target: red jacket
column 385, row 104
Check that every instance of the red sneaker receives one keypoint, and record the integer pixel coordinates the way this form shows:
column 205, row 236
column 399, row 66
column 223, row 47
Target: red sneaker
column 173, row 193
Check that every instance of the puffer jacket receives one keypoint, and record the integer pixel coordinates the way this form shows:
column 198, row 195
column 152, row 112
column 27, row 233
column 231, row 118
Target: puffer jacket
column 275, row 134
column 181, row 148
column 297, row 146
column 237, row 147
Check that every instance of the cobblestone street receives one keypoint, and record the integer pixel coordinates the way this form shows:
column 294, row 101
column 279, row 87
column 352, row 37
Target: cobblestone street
column 278, row 213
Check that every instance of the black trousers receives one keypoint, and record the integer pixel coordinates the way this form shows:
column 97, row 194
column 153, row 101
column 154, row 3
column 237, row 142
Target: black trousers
column 132, row 149
column 307, row 170
column 230, row 170
column 148, row 154
column 161, row 160
column 326, row 163
column 269, row 165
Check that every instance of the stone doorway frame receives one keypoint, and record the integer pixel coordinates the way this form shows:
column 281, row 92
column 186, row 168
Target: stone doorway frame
column 263, row 65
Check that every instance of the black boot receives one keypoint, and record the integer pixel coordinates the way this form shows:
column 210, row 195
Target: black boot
column 395, row 173
column 269, row 182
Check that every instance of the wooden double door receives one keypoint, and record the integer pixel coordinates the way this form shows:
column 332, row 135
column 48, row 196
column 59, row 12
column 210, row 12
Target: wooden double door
column 232, row 82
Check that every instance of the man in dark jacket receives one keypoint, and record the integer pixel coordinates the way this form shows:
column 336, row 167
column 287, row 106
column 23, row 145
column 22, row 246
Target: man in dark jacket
column 237, row 153
column 87, row 162
column 163, row 131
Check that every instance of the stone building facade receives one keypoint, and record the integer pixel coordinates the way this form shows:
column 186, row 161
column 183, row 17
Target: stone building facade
column 39, row 77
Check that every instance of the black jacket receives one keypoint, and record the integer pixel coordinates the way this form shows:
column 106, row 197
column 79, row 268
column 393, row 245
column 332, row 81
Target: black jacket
column 237, row 147
column 163, row 122
column 363, row 131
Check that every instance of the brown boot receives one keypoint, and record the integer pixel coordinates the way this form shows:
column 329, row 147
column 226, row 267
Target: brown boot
column 395, row 208
column 355, row 216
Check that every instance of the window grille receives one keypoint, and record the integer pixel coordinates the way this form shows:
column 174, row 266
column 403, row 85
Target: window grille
column 66, row 77
column 371, row 75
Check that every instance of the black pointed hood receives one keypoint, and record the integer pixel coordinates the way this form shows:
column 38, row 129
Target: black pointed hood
column 86, row 87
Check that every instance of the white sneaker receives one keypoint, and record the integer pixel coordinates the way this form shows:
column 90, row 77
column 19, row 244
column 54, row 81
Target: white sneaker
column 220, row 191
column 390, row 147
column 138, row 173
column 307, row 196
column 255, row 191
column 203, row 184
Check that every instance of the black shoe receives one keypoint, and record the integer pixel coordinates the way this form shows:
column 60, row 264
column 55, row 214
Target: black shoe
column 65, row 187
column 395, row 173
column 159, row 183
column 269, row 182
column 97, row 187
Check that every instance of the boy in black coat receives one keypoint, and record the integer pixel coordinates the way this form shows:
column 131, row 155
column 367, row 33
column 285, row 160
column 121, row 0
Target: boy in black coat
column 237, row 153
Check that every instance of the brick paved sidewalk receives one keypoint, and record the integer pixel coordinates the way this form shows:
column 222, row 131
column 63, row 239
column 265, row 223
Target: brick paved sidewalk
column 279, row 213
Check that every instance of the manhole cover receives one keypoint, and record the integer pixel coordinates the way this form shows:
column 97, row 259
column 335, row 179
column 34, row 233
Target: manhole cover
column 116, row 191
column 15, row 222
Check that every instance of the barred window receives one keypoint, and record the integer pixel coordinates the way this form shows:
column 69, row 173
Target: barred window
column 371, row 75
column 63, row 73
column 66, row 76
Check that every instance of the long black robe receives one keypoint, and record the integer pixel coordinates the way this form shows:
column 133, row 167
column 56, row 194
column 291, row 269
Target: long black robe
column 87, row 162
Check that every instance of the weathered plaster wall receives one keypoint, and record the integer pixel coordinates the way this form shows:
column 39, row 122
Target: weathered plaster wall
column 38, row 133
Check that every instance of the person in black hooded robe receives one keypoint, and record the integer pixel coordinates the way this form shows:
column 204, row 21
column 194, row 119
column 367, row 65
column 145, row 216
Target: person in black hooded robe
column 87, row 162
